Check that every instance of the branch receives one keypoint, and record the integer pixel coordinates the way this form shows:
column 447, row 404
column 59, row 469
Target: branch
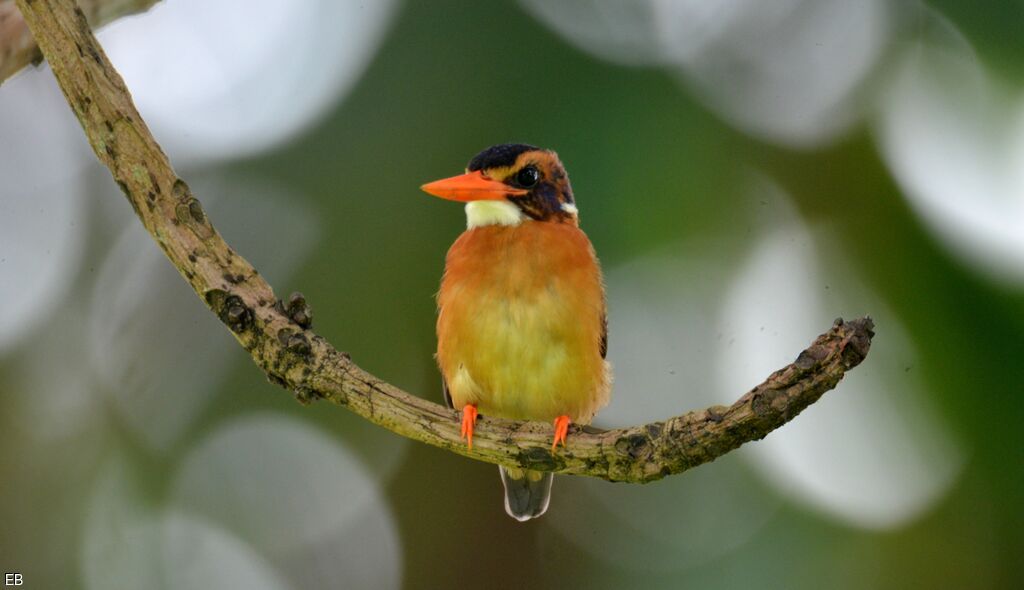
column 278, row 337
column 17, row 47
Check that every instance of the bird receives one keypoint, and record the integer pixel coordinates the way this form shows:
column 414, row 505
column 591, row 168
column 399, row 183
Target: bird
column 522, row 330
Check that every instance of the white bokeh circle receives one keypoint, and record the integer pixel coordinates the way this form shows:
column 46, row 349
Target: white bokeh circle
column 299, row 497
column 953, row 136
column 227, row 78
column 41, row 209
column 788, row 71
column 874, row 453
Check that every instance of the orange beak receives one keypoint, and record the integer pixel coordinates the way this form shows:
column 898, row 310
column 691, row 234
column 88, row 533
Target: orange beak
column 472, row 186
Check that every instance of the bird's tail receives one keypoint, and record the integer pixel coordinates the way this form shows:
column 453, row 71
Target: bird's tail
column 527, row 493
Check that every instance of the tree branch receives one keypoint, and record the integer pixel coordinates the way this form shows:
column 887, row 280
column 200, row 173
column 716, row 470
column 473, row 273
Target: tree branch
column 17, row 47
column 278, row 337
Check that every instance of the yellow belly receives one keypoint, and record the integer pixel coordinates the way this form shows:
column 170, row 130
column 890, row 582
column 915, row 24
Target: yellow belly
column 521, row 323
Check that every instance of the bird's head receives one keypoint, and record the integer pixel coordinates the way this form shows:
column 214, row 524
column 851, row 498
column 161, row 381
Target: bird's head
column 511, row 183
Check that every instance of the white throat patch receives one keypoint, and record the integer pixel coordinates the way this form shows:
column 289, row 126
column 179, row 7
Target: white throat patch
column 481, row 213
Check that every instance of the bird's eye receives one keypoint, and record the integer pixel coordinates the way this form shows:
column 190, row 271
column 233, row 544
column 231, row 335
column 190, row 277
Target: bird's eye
column 527, row 177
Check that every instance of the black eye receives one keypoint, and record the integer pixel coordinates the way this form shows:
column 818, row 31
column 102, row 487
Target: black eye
column 527, row 177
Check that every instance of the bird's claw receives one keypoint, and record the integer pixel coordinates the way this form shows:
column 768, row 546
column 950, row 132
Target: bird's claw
column 469, row 414
column 561, row 431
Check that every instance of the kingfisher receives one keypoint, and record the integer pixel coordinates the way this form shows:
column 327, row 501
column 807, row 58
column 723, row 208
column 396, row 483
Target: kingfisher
column 522, row 329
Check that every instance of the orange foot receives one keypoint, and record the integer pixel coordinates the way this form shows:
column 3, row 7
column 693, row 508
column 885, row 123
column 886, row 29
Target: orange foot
column 561, row 430
column 468, row 421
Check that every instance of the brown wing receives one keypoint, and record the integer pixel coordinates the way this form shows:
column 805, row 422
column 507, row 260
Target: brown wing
column 447, row 396
column 604, row 335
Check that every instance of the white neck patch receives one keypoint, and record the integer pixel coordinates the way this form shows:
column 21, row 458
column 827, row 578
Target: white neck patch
column 481, row 213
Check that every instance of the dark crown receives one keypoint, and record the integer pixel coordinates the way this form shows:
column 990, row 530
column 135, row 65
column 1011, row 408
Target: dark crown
column 498, row 156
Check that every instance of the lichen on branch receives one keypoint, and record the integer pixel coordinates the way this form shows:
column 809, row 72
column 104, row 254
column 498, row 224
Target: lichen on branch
column 279, row 337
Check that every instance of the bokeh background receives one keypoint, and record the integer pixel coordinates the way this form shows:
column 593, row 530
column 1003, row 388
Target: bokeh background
column 747, row 171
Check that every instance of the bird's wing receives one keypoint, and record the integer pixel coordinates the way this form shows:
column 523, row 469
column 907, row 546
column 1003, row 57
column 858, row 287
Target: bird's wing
column 447, row 395
column 604, row 336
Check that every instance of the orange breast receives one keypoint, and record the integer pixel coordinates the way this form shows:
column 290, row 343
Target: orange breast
column 521, row 322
